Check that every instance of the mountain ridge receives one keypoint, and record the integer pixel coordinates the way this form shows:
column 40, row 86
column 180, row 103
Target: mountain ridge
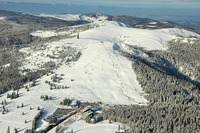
column 137, row 74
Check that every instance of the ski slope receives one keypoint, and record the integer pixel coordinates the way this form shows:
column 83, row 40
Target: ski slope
column 101, row 74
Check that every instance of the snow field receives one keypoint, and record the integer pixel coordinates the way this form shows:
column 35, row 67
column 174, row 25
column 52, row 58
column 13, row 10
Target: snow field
column 67, row 17
column 100, row 74
column 79, row 126
column 2, row 18
column 14, row 118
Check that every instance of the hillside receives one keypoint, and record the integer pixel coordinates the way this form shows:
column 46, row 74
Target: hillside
column 134, row 71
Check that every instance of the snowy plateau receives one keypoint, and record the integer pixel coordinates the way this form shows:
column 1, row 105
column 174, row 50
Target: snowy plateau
column 99, row 74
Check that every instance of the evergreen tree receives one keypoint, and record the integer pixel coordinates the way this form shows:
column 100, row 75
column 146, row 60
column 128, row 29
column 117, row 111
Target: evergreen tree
column 5, row 103
column 119, row 128
column 8, row 130
column 8, row 96
column 15, row 130
column 78, row 36
column 17, row 92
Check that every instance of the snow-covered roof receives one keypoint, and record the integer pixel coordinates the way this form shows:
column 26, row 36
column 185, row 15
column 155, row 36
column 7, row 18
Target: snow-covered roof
column 74, row 102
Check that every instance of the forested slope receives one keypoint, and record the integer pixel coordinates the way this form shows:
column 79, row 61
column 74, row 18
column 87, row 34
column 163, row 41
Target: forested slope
column 173, row 96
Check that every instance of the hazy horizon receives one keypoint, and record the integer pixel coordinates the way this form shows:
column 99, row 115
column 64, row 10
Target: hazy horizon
column 157, row 11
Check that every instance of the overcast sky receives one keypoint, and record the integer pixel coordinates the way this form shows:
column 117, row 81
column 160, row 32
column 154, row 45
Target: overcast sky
column 122, row 3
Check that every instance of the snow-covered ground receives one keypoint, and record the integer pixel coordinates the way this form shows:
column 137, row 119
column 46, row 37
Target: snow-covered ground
column 2, row 18
column 79, row 126
column 76, row 17
column 68, row 17
column 100, row 74
column 116, row 32
column 153, row 23
column 99, row 21
column 44, row 34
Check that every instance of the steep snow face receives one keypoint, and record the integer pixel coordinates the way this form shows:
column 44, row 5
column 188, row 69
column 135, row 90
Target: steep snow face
column 128, row 49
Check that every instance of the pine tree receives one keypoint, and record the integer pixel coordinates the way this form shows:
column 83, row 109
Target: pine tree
column 22, row 105
column 72, row 131
column 8, row 130
column 119, row 128
column 124, row 127
column 15, row 130
column 8, row 95
column 17, row 92
column 50, row 98
column 78, row 36
column 33, row 83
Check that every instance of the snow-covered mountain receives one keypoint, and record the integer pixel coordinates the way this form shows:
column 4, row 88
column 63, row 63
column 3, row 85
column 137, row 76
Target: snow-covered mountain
column 91, row 67
column 101, row 73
